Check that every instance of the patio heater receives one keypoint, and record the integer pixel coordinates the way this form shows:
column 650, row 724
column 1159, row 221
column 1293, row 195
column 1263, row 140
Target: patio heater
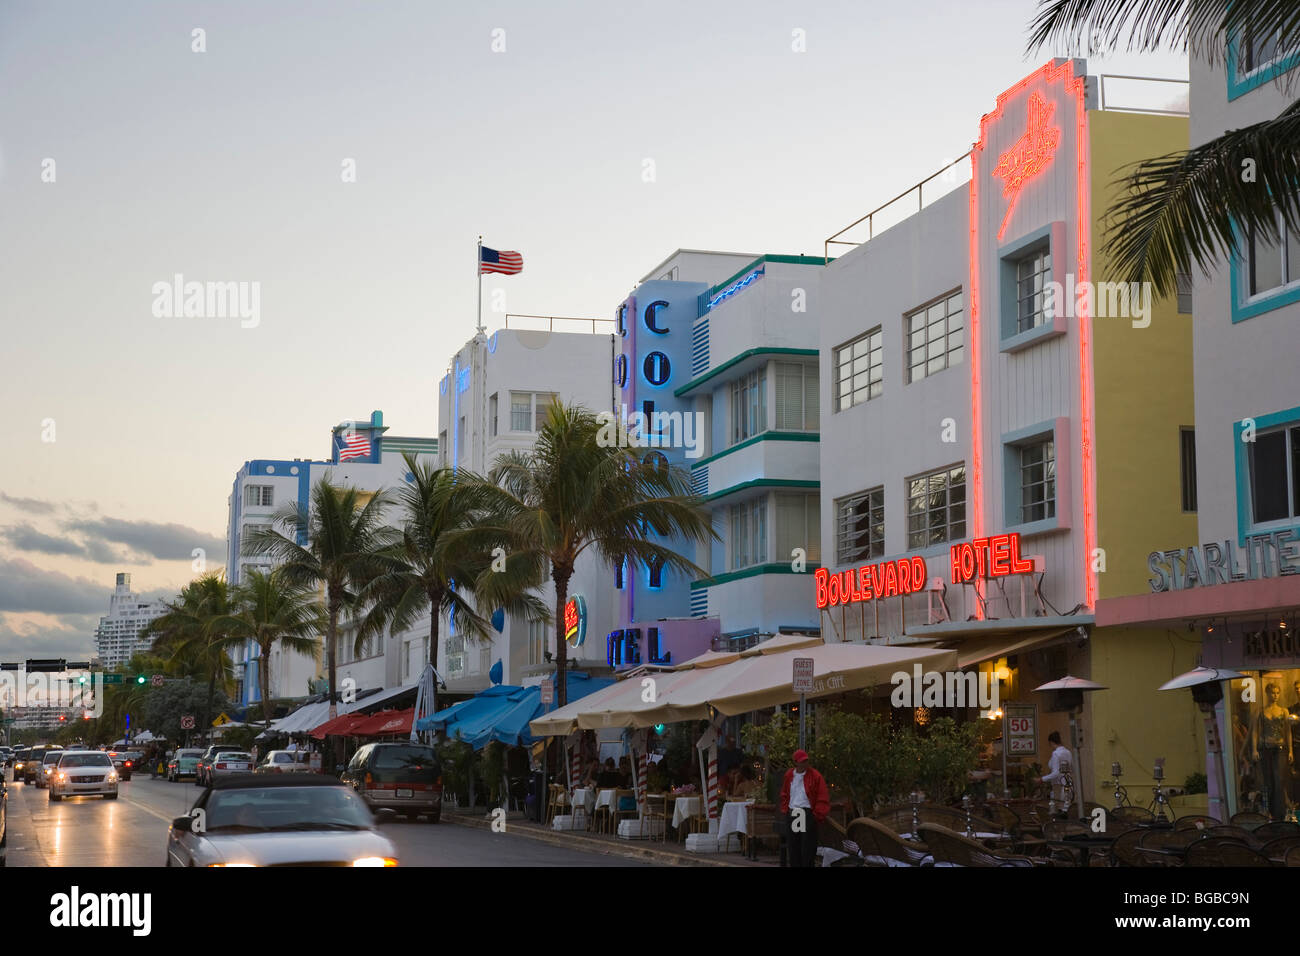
column 1069, row 696
column 1206, row 685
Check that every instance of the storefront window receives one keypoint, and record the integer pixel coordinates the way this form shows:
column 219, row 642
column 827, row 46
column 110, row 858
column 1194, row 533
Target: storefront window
column 1265, row 730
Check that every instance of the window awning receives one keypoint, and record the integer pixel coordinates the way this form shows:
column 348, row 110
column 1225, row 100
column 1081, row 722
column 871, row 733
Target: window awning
column 386, row 722
column 503, row 712
column 977, row 650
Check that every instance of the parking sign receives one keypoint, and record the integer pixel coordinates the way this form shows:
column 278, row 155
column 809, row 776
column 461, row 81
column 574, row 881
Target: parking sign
column 803, row 675
column 548, row 692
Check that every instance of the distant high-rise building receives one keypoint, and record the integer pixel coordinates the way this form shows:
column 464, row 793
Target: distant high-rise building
column 118, row 635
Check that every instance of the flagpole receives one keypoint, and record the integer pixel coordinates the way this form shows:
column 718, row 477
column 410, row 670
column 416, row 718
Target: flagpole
column 478, row 269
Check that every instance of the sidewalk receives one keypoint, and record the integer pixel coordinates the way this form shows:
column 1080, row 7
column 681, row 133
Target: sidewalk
column 668, row 853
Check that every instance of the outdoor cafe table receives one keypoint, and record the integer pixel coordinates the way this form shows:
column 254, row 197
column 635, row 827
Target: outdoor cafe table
column 584, row 797
column 1084, row 845
column 685, row 808
column 735, row 816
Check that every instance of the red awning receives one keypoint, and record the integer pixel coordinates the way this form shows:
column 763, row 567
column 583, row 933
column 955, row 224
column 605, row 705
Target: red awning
column 344, row 725
column 386, row 722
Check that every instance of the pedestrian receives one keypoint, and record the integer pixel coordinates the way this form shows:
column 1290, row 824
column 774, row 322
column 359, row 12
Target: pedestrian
column 1059, row 767
column 806, row 802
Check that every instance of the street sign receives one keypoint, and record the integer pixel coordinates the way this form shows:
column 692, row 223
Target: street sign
column 548, row 692
column 221, row 720
column 803, row 675
column 187, row 722
column 112, row 678
column 156, row 680
column 1022, row 722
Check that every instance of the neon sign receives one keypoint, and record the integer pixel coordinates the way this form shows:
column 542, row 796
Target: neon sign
column 622, row 326
column 620, row 371
column 871, row 582
column 575, row 620
column 651, row 312
column 1029, row 155
column 735, row 287
column 994, row 557
column 657, row 368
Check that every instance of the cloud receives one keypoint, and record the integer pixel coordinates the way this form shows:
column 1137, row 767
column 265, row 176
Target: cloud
column 164, row 542
column 73, row 640
column 24, row 537
column 30, row 505
column 25, row 587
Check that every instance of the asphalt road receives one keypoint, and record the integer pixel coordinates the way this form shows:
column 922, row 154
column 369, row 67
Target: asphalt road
column 132, row 831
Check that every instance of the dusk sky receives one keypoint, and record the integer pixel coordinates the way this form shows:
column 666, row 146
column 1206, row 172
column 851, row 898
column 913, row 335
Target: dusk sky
column 228, row 165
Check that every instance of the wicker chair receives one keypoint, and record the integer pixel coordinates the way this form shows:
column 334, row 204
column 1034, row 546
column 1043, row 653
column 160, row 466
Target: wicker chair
column 1248, row 819
column 1293, row 856
column 949, row 846
column 656, row 808
column 874, row 839
column 1230, row 832
column 1153, row 844
column 1136, row 815
column 1124, row 851
column 1272, row 831
column 1219, row 851
column 557, row 802
column 1277, row 849
column 1197, row 821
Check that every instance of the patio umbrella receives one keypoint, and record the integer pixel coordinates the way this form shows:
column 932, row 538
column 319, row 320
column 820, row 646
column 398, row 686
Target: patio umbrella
column 1072, row 683
column 1200, row 675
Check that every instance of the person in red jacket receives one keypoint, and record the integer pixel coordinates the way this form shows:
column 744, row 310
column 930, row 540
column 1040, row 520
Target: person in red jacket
column 805, row 802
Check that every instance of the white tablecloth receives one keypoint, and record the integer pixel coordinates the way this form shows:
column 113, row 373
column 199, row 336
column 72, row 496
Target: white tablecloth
column 584, row 797
column 687, row 807
column 605, row 798
column 735, row 817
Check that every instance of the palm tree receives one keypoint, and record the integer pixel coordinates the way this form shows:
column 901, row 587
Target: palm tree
column 579, row 489
column 434, row 564
column 270, row 611
column 192, row 639
column 1194, row 204
column 341, row 536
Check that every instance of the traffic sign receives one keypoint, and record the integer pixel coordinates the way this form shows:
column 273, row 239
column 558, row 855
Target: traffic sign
column 187, row 722
column 221, row 720
column 112, row 678
column 1022, row 736
column 156, row 680
column 548, row 692
column 803, row 675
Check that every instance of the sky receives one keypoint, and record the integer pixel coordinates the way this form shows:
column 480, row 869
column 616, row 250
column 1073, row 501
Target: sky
column 340, row 160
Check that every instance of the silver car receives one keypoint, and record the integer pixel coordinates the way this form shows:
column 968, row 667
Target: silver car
column 82, row 772
column 46, row 767
column 227, row 762
column 278, row 820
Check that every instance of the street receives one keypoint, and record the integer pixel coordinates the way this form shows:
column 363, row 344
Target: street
column 132, row 831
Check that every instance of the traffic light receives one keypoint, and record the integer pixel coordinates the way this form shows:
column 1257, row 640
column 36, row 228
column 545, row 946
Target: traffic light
column 141, row 678
column 46, row 665
column 62, row 718
column 83, row 679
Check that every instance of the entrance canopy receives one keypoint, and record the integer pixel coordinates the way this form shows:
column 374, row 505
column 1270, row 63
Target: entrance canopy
column 503, row 712
column 749, row 683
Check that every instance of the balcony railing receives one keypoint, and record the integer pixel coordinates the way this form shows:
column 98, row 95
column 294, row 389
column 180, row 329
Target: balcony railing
column 538, row 323
column 1142, row 94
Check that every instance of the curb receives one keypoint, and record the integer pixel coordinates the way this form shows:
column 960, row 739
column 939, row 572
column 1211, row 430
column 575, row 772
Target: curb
column 568, row 840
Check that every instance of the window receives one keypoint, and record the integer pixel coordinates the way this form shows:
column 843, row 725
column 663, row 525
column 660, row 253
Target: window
column 935, row 337
column 798, row 525
column 618, row 575
column 860, row 526
column 1033, row 272
column 543, row 402
column 460, row 437
column 492, row 416
column 1260, row 52
column 536, row 642
column 1187, row 460
column 521, row 411
column 748, row 524
column 443, row 448
column 1037, row 481
column 251, row 529
column 859, row 370
column 1184, row 281
column 655, row 573
column 1275, row 475
column 796, row 397
column 1273, row 263
column 748, row 406
column 936, row 507
column 258, row 496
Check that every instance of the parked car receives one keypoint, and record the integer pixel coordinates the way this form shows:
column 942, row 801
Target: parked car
column 229, row 762
column 48, row 762
column 286, row 820
column 285, row 761
column 6, row 753
column 403, row 777
column 184, row 763
column 79, row 772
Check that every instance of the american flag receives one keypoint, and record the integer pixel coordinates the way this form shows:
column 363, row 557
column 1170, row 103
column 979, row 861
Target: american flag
column 490, row 260
column 353, row 445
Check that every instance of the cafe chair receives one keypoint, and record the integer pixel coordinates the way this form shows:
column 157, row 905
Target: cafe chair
column 656, row 808
column 1272, row 831
column 1164, row 847
column 1197, row 821
column 1138, row 816
column 556, row 802
column 881, row 846
column 622, row 809
column 1218, row 852
column 1248, row 818
column 1293, row 856
column 1277, row 849
column 1234, row 833
column 949, row 846
column 1124, row 851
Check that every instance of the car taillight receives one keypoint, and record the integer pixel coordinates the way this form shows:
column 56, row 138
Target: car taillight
column 221, row 766
column 128, row 763
column 370, row 779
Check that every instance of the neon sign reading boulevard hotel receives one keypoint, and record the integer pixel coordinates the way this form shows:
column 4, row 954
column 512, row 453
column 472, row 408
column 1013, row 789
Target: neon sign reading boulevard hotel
column 993, row 557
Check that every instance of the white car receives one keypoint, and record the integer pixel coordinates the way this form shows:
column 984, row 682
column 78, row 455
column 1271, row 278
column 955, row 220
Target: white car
column 82, row 772
column 227, row 762
column 280, row 820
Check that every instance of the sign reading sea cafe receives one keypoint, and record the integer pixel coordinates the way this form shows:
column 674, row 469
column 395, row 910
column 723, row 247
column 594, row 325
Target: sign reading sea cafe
column 993, row 557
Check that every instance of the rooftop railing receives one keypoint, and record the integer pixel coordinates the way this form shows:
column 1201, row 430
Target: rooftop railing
column 538, row 323
column 1142, row 94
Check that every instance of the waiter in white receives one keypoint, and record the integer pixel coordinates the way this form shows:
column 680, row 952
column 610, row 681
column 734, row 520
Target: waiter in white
column 1059, row 766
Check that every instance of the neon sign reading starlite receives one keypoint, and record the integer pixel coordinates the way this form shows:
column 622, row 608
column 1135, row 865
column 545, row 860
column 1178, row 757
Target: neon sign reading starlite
column 1029, row 155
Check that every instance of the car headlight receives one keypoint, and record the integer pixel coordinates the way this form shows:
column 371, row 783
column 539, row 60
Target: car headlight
column 210, row 865
column 62, row 777
column 112, row 778
column 375, row 861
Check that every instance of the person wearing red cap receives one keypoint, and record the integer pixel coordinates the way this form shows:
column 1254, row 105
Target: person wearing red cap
column 805, row 802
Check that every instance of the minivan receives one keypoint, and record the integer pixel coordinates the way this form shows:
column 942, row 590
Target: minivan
column 403, row 777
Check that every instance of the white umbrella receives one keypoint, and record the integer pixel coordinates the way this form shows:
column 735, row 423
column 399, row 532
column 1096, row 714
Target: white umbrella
column 1200, row 675
column 1072, row 683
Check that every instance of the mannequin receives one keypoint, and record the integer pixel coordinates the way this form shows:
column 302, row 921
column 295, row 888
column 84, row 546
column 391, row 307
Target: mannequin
column 1271, row 750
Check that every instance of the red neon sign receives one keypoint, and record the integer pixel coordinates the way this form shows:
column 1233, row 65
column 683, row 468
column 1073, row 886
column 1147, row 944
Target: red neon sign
column 1029, row 155
column 993, row 557
column 871, row 582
